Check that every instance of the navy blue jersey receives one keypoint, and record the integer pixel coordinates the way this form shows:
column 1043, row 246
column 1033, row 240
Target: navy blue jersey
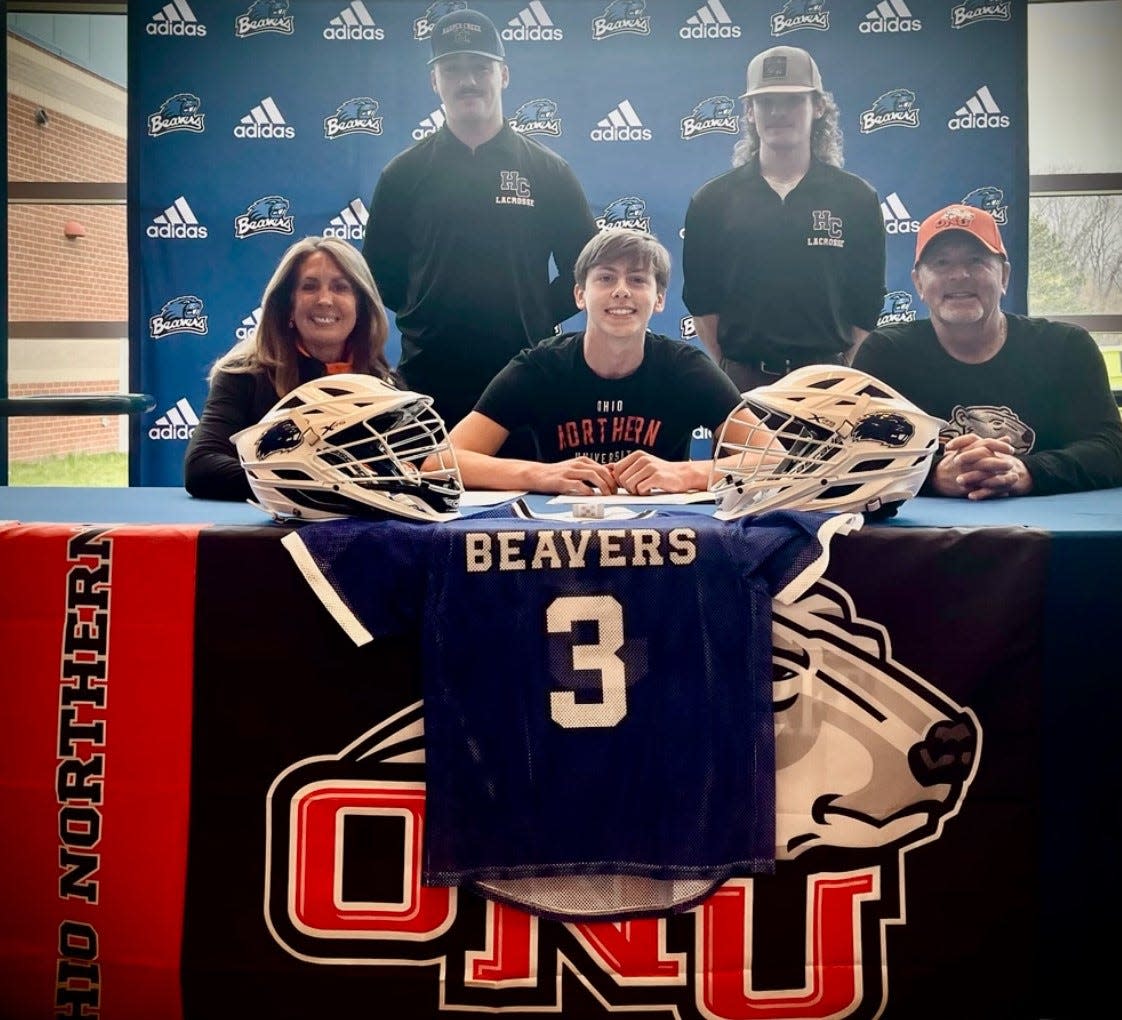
column 597, row 694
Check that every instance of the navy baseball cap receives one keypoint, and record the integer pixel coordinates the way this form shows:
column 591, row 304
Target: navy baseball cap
column 466, row 31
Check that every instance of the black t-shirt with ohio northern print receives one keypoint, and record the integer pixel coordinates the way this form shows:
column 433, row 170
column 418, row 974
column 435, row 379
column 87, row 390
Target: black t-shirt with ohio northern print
column 574, row 412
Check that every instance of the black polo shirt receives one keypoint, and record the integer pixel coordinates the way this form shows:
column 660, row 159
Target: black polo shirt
column 787, row 276
column 460, row 243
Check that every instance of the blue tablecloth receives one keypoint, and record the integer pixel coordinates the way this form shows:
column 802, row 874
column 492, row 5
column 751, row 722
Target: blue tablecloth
column 1086, row 512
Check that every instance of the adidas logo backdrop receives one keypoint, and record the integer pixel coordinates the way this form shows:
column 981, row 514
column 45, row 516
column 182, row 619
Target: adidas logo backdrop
column 932, row 98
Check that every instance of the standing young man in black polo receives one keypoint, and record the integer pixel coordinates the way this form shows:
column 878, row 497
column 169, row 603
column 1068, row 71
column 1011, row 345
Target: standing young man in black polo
column 784, row 254
column 462, row 226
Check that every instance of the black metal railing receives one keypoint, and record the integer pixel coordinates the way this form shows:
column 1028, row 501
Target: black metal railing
column 67, row 405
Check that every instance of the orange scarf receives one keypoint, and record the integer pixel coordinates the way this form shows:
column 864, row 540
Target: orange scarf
column 330, row 367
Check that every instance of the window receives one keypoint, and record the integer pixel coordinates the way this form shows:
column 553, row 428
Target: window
column 1075, row 168
column 67, row 238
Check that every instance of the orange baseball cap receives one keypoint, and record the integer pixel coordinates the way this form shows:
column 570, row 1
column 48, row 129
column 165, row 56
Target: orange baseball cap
column 967, row 218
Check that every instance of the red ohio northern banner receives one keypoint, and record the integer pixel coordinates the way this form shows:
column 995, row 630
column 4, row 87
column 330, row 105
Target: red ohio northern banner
column 212, row 802
column 96, row 632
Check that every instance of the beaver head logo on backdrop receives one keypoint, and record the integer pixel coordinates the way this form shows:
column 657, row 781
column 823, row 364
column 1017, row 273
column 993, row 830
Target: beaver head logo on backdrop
column 536, row 117
column 622, row 17
column 422, row 27
column 717, row 113
column 894, row 108
column 265, row 16
column 800, row 14
column 182, row 314
column 989, row 198
column 177, row 113
column 359, row 114
column 268, row 214
column 628, row 211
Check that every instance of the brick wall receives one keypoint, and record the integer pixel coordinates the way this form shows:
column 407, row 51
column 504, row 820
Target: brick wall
column 64, row 150
column 52, row 278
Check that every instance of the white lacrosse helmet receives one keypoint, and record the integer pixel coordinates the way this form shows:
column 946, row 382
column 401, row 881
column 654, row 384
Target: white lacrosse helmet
column 824, row 437
column 351, row 446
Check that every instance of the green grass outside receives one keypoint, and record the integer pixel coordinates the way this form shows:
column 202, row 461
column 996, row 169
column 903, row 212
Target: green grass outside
column 79, row 469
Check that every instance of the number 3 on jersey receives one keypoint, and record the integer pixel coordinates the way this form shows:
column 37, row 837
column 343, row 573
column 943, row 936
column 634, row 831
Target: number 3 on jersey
column 601, row 657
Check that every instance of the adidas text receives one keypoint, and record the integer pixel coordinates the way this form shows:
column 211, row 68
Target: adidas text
column 347, row 33
column 175, row 28
column 177, row 231
column 978, row 120
column 171, row 431
column 532, row 33
column 264, row 131
column 891, row 25
column 624, row 133
column 709, row 32
column 353, row 232
column 901, row 227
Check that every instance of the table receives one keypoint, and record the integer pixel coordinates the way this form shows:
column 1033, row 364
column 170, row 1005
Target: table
column 177, row 691
column 1075, row 513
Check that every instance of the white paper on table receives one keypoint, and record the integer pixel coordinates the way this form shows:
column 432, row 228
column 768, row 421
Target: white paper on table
column 665, row 498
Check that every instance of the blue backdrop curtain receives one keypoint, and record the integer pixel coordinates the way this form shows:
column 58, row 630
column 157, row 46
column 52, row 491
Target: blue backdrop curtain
column 251, row 127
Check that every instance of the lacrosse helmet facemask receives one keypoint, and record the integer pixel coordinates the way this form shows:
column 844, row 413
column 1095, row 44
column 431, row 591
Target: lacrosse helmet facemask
column 351, row 445
column 824, row 437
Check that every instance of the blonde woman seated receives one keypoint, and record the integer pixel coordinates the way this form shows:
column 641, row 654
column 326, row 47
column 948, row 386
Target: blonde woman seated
column 321, row 313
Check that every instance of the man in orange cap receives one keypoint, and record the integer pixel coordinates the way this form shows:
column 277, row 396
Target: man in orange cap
column 1027, row 401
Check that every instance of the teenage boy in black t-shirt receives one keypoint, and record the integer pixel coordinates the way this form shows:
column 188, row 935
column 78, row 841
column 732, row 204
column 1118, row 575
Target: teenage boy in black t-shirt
column 612, row 407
